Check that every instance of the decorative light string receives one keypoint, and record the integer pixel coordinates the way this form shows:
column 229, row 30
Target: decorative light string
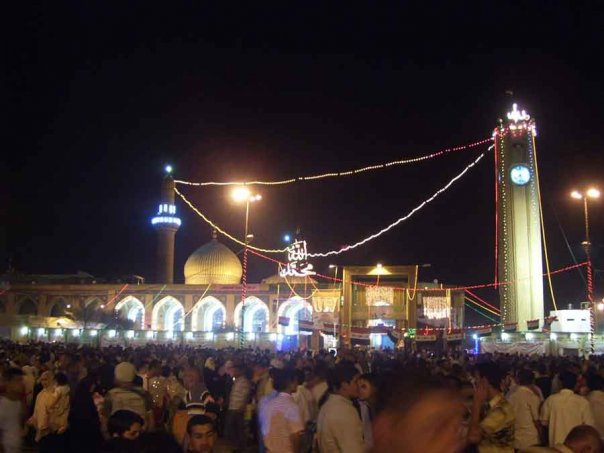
column 484, row 302
column 404, row 218
column 243, row 297
column 341, row 173
column 402, row 288
column 590, row 298
column 223, row 232
column 480, row 313
column 348, row 247
column 155, row 297
column 117, row 295
column 482, row 306
column 549, row 280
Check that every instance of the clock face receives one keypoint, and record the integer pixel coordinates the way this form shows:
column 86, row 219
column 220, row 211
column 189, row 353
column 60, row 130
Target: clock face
column 520, row 175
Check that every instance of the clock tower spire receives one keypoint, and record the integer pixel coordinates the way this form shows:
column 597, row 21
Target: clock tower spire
column 519, row 255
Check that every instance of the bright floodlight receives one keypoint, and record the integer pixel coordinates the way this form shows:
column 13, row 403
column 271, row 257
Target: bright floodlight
column 332, row 266
column 168, row 168
column 576, row 194
column 593, row 193
column 241, row 194
column 287, row 238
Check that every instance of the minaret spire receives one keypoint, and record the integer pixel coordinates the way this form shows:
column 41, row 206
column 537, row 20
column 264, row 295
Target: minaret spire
column 166, row 223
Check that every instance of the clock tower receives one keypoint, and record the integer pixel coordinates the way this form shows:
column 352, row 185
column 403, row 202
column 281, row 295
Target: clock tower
column 518, row 249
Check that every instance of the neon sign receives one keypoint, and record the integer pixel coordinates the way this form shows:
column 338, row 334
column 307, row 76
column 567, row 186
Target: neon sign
column 518, row 115
column 297, row 264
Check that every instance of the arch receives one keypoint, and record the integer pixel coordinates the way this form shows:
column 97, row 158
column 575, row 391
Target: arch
column 57, row 308
column 168, row 314
column 208, row 315
column 256, row 315
column 27, row 307
column 295, row 309
column 133, row 309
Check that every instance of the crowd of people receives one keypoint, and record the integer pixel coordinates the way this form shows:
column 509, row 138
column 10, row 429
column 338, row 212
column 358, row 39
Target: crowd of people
column 159, row 398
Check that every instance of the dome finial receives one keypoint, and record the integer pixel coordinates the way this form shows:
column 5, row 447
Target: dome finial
column 214, row 234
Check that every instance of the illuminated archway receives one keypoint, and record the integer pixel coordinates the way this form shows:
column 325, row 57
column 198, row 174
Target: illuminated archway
column 208, row 315
column 133, row 309
column 256, row 315
column 168, row 314
column 295, row 309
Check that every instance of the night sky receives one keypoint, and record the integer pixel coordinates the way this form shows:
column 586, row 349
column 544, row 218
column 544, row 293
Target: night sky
column 101, row 95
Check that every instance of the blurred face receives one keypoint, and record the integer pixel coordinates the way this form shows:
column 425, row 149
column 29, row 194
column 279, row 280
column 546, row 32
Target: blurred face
column 133, row 432
column 433, row 425
column 203, row 438
column 15, row 386
column 351, row 389
column 190, row 379
column 46, row 380
column 365, row 390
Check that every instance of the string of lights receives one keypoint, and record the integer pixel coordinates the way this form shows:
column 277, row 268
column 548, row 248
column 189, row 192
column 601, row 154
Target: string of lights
column 484, row 302
column 405, row 217
column 481, row 313
column 402, row 288
column 118, row 294
column 223, row 232
column 482, row 306
column 341, row 173
column 348, row 247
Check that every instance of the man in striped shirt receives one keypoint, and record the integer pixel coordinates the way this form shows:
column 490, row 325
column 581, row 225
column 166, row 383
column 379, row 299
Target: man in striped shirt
column 280, row 419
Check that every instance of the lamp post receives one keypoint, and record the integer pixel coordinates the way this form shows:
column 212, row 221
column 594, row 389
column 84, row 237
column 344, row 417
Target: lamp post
column 591, row 193
column 243, row 194
column 335, row 273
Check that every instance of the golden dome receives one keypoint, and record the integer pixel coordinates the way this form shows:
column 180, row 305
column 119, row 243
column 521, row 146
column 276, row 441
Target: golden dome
column 213, row 263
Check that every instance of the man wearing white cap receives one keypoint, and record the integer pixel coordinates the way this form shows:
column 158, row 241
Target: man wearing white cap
column 126, row 396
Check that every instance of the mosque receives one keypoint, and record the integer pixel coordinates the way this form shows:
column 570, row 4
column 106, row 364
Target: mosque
column 372, row 304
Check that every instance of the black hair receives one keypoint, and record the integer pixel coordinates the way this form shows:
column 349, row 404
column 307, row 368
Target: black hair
column 158, row 442
column 343, row 372
column 595, row 381
column 525, row 377
column 580, row 433
column 568, row 380
column 200, row 420
column 61, row 378
column 492, row 372
column 12, row 373
column 371, row 378
column 121, row 421
column 283, row 378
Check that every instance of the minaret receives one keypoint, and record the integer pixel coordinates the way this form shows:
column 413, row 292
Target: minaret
column 520, row 267
column 166, row 223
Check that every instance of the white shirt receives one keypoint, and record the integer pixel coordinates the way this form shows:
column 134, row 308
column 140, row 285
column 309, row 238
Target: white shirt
column 279, row 419
column 525, row 404
column 367, row 425
column 339, row 428
column 317, row 392
column 562, row 412
column 596, row 402
column 10, row 424
column 305, row 401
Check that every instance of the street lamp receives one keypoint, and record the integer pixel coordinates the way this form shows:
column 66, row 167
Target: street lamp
column 590, row 193
column 243, row 194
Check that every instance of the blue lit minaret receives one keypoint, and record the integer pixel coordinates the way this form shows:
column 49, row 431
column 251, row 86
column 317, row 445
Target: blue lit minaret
column 166, row 223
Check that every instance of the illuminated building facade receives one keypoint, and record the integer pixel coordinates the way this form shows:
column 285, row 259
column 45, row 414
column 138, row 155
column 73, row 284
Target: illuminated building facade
column 206, row 309
column 519, row 254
